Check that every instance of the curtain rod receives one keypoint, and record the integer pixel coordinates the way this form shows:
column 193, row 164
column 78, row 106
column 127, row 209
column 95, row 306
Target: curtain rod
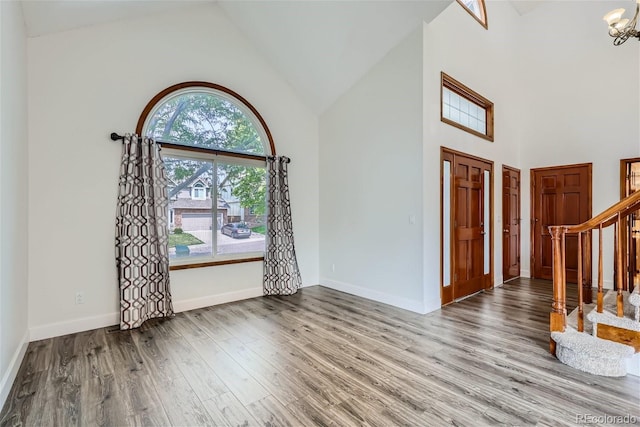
column 116, row 137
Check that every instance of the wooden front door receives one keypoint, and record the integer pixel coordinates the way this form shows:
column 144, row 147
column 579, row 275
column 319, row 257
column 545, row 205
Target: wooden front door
column 511, row 223
column 470, row 235
column 561, row 195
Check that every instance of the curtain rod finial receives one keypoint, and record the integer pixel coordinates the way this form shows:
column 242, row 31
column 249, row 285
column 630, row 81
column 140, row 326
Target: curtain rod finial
column 115, row 136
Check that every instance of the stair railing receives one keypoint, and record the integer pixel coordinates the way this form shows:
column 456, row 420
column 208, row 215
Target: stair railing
column 611, row 216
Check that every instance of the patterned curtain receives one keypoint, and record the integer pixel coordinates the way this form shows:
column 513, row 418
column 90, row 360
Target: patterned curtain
column 281, row 273
column 142, row 253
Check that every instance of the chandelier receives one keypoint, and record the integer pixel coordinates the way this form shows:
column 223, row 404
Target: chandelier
column 621, row 28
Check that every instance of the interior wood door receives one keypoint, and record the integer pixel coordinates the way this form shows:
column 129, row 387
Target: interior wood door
column 469, row 225
column 629, row 184
column 510, row 223
column 561, row 195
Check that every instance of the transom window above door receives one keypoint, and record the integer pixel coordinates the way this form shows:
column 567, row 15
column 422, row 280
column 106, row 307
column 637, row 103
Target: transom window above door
column 465, row 108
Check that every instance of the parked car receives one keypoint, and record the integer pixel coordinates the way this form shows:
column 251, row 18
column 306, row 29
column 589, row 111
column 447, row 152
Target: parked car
column 237, row 230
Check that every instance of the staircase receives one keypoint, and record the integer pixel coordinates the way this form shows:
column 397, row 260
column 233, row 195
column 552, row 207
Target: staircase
column 607, row 340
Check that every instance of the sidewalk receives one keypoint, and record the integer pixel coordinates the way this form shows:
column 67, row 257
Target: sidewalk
column 226, row 244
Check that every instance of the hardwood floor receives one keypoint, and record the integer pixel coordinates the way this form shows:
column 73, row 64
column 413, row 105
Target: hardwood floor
column 320, row 357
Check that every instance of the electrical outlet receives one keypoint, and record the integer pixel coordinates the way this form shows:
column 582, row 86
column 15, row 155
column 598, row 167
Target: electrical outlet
column 79, row 297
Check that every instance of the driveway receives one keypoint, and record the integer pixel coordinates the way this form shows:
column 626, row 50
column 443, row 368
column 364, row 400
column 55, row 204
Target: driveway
column 226, row 244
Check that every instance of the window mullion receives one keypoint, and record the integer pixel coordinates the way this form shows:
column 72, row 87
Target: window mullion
column 214, row 210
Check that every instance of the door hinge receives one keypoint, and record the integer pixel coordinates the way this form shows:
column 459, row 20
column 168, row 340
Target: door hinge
column 455, row 277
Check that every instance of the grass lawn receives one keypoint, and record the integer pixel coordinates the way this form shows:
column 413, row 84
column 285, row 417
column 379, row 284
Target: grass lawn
column 262, row 229
column 183, row 239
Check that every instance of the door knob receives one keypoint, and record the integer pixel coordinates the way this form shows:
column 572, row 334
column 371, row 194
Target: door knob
column 505, row 230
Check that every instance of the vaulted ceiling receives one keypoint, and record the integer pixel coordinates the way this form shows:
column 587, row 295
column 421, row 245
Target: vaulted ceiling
column 320, row 47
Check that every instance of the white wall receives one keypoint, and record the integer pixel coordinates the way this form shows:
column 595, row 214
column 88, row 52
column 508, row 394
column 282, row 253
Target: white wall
column 484, row 61
column 561, row 97
column 86, row 83
column 13, row 194
column 371, row 185
column 552, row 107
column 581, row 98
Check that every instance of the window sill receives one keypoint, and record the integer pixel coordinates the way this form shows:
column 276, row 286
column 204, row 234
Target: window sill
column 214, row 263
column 467, row 129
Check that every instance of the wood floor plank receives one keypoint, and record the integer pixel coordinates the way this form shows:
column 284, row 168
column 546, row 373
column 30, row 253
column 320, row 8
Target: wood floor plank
column 99, row 393
column 64, row 400
column 23, row 405
column 298, row 364
column 269, row 412
column 125, row 355
column 139, row 401
column 234, row 324
column 310, row 413
column 235, row 377
column 181, row 404
column 206, row 320
column 226, row 409
column 201, row 378
column 275, row 381
column 183, row 327
column 28, row 390
column 320, row 357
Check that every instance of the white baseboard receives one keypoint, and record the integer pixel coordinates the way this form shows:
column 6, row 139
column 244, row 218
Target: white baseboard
column 12, row 370
column 209, row 300
column 72, row 326
column 110, row 319
column 383, row 297
column 633, row 365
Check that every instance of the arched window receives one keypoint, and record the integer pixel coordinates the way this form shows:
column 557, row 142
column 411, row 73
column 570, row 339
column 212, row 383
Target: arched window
column 214, row 144
column 477, row 9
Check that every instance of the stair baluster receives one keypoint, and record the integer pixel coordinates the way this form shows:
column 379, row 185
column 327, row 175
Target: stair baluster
column 619, row 297
column 600, row 278
column 587, row 285
column 564, row 277
column 580, row 298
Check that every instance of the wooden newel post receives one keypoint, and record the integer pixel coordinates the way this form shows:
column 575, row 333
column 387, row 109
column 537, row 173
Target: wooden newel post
column 558, row 317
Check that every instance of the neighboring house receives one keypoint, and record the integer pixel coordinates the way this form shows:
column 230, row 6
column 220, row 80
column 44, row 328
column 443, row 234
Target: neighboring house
column 190, row 208
column 237, row 213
